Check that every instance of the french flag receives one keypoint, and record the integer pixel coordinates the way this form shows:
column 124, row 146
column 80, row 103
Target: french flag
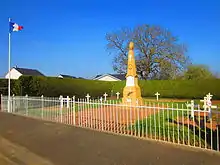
column 15, row 27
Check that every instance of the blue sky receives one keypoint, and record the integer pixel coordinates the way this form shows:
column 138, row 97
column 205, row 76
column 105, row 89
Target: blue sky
column 68, row 36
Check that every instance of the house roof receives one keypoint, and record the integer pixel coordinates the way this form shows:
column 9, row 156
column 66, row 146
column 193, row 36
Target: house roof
column 29, row 72
column 117, row 76
column 67, row 76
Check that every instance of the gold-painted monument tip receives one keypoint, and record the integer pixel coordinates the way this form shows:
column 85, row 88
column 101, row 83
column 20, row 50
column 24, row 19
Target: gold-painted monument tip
column 131, row 46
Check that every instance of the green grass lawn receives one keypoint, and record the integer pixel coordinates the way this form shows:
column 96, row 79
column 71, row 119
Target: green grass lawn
column 163, row 125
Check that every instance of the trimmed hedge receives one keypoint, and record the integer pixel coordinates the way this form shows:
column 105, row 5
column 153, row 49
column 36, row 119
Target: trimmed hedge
column 176, row 88
column 52, row 86
column 4, row 87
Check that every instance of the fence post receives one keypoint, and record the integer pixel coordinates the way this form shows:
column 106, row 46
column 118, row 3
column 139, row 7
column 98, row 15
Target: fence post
column 13, row 103
column 61, row 107
column 26, row 104
column 9, row 104
column 1, row 102
column 61, row 101
column 67, row 102
column 42, row 106
column 74, row 111
column 101, row 113
column 192, row 109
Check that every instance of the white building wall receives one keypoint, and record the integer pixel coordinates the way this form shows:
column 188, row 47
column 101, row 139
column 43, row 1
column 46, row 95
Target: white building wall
column 14, row 74
column 60, row 76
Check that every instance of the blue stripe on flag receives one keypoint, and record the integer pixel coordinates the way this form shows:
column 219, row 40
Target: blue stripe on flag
column 11, row 27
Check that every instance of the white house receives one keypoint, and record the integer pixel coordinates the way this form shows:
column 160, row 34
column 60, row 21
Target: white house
column 110, row 77
column 17, row 72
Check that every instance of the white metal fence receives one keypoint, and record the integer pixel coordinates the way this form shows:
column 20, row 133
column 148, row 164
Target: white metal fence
column 179, row 123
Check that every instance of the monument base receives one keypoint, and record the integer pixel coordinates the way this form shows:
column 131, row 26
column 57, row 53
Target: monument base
column 132, row 96
column 132, row 101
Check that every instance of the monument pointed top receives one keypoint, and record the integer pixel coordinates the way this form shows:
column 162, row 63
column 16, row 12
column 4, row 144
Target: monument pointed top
column 131, row 46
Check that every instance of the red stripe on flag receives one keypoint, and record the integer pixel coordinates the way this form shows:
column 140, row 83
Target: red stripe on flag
column 20, row 27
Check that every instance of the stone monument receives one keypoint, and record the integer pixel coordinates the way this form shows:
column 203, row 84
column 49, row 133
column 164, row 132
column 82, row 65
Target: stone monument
column 132, row 91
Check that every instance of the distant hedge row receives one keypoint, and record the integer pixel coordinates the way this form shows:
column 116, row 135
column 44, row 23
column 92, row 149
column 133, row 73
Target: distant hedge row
column 50, row 86
column 176, row 88
column 4, row 87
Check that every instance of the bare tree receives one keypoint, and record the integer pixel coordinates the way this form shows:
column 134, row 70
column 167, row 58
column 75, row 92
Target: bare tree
column 159, row 55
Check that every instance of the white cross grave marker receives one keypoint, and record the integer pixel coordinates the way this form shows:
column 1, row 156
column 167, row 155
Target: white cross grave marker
column 117, row 95
column 157, row 95
column 105, row 95
column 209, row 96
column 191, row 105
column 207, row 101
column 87, row 96
column 61, row 102
column 209, row 104
column 101, row 99
column 204, row 103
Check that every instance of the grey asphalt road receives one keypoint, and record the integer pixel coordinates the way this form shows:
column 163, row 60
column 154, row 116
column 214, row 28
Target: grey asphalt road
column 29, row 141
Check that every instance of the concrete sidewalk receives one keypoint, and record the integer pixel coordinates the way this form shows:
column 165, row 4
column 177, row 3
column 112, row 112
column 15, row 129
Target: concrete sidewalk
column 58, row 144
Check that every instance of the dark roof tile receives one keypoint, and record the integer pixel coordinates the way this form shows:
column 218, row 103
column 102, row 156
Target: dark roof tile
column 67, row 76
column 29, row 72
column 118, row 76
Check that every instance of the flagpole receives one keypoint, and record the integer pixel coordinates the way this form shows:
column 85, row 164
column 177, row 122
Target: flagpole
column 9, row 68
